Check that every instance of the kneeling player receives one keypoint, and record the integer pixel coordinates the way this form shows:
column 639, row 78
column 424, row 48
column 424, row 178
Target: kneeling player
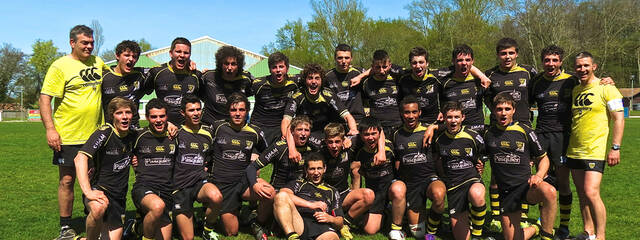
column 313, row 210
column 416, row 169
column 355, row 201
column 379, row 178
column 511, row 146
column 234, row 141
column 189, row 175
column 457, row 151
column 105, row 194
column 151, row 192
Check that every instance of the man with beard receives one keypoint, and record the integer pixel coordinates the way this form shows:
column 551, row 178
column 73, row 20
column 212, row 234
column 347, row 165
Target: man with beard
column 151, row 193
column 104, row 185
column 311, row 208
column 217, row 85
column 339, row 78
column 173, row 80
column 314, row 100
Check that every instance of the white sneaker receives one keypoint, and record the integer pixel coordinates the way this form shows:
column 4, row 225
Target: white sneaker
column 396, row 235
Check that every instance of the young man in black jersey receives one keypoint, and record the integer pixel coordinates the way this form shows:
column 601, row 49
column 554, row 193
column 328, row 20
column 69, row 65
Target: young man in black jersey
column 458, row 151
column 151, row 193
column 423, row 85
column 315, row 100
column 355, row 201
column 380, row 92
column 416, row 168
column 234, row 141
column 175, row 79
column 339, row 78
column 271, row 94
column 511, row 146
column 379, row 177
column 217, row 85
column 104, row 185
column 193, row 157
column 310, row 209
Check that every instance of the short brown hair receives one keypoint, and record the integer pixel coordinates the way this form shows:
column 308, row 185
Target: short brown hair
column 180, row 40
column 333, row 130
column 297, row 120
column 503, row 97
column 119, row 102
column 79, row 29
column 312, row 68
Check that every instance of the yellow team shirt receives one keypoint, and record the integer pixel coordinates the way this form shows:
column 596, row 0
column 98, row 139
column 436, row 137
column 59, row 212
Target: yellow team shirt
column 590, row 127
column 75, row 85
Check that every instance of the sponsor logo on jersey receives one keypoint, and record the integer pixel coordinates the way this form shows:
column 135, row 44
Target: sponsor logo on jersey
column 455, row 152
column 99, row 142
column 173, row 100
column 459, row 164
column 508, row 83
column 157, row 161
column 89, row 74
column 386, row 102
column 505, row 144
column 412, row 145
column 235, row 142
column 506, row 158
column 234, row 155
column 124, row 88
column 192, row 159
column 145, row 149
column 583, row 99
column 194, row 145
column 220, row 98
column 112, row 151
column 121, row 164
column 468, row 104
column 414, row 158
column 465, row 91
column 160, row 149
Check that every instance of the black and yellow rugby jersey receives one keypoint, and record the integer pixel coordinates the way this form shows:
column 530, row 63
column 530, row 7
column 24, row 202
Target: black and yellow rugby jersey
column 170, row 86
column 311, row 192
column 214, row 91
column 156, row 154
column 426, row 90
column 516, row 81
column 192, row 155
column 111, row 154
column 284, row 170
column 271, row 100
column 511, row 149
column 340, row 84
column 553, row 98
column 323, row 108
column 232, row 150
column 459, row 154
column 416, row 161
column 467, row 92
column 129, row 86
column 375, row 173
column 382, row 98
column 338, row 169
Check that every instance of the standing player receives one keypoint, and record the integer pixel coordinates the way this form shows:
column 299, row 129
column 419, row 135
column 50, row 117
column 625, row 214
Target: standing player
column 422, row 84
column 192, row 157
column 234, row 141
column 457, row 152
column 592, row 108
column 339, row 78
column 379, row 177
column 271, row 94
column 105, row 190
column 551, row 92
column 124, row 80
column 355, row 201
column 151, row 193
column 511, row 147
column 217, row 85
column 314, row 100
column 173, row 80
column 380, row 92
column 311, row 208
column 416, row 168
column 72, row 79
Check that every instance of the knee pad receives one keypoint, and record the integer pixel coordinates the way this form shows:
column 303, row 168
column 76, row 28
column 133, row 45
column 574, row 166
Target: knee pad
column 418, row 230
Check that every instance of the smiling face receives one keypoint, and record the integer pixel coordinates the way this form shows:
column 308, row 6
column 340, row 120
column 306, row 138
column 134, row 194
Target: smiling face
column 180, row 56
column 419, row 66
column 507, row 57
column 410, row 115
column 585, row 69
column 157, row 119
column 279, row 71
column 504, row 113
column 343, row 60
column 552, row 65
column 301, row 133
column 453, row 120
column 315, row 170
column 313, row 82
column 192, row 114
column 238, row 113
column 82, row 47
column 126, row 60
column 229, row 68
column 122, row 119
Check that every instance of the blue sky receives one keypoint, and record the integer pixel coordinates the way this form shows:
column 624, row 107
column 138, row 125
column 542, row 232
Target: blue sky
column 246, row 24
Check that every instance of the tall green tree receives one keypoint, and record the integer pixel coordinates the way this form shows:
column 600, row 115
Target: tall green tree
column 12, row 64
column 144, row 45
column 44, row 53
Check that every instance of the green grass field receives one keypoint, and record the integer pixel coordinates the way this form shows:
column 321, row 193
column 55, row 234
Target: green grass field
column 28, row 193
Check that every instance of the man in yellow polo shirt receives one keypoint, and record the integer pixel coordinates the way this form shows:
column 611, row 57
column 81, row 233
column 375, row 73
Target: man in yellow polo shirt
column 74, row 81
column 592, row 107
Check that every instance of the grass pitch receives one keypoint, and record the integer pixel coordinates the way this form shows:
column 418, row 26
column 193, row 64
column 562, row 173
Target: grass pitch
column 29, row 207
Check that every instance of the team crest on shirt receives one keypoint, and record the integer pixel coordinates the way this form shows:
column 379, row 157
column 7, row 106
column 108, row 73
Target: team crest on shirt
column 592, row 165
column 191, row 88
column 469, row 151
column 523, row 82
column 318, row 195
column 249, row 144
column 205, row 146
column 172, row 148
column 345, row 84
column 519, row 146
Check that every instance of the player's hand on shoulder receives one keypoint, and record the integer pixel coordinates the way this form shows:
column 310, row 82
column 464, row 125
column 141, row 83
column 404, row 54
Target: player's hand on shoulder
column 172, row 130
column 607, row 81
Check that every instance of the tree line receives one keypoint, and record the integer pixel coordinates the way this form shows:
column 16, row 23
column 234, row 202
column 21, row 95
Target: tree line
column 609, row 29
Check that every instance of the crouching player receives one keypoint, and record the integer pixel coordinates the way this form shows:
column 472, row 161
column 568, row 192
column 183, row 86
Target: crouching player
column 193, row 154
column 457, row 152
column 151, row 192
column 355, row 201
column 379, row 178
column 234, row 141
column 416, row 168
column 104, row 187
column 510, row 145
column 313, row 210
